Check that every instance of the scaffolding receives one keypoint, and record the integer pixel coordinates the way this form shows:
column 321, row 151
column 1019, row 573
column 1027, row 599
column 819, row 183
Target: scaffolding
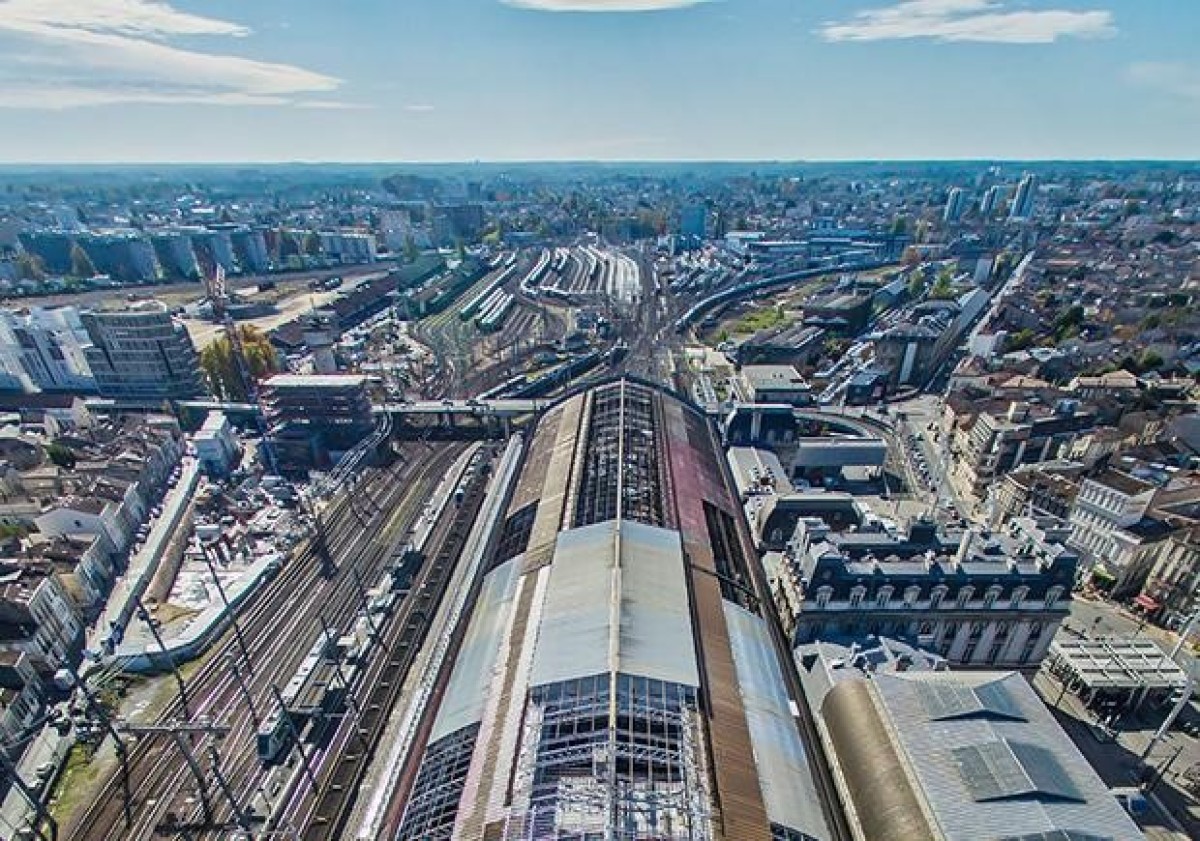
column 613, row 757
column 622, row 472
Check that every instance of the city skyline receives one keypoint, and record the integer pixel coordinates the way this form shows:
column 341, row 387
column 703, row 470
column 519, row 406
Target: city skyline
column 512, row 80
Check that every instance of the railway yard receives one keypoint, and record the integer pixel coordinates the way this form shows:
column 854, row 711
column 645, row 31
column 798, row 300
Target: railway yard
column 362, row 581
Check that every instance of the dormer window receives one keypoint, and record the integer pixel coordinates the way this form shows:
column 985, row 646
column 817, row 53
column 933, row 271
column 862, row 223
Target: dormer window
column 964, row 595
column 911, row 594
column 993, row 593
column 856, row 595
column 1018, row 596
column 883, row 596
column 937, row 595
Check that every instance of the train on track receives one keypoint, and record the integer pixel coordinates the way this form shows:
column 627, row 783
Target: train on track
column 319, row 689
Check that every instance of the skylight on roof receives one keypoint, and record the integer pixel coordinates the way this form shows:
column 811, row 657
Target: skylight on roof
column 945, row 701
column 1003, row 770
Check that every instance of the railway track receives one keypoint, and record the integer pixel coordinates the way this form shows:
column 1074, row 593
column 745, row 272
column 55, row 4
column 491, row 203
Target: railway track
column 275, row 622
column 405, row 635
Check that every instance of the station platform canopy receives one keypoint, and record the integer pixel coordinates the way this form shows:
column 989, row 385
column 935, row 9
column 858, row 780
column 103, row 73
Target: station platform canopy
column 1115, row 664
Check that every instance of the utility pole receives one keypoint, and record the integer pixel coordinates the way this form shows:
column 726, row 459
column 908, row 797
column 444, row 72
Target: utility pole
column 238, row 814
column 118, row 743
column 295, row 735
column 144, row 615
column 1185, row 695
column 180, row 733
column 229, row 615
column 245, row 690
column 1185, row 632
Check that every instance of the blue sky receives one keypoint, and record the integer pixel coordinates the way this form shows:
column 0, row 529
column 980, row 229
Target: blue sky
column 437, row 80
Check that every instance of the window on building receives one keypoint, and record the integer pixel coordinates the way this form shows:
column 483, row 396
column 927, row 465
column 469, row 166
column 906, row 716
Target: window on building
column 964, row 595
column 883, row 596
column 936, row 595
column 948, row 634
column 1053, row 595
column 1031, row 643
column 824, row 594
column 1018, row 596
column 993, row 593
column 856, row 595
column 911, row 594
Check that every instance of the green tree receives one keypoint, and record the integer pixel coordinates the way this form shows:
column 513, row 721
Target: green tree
column 1149, row 360
column 900, row 225
column 1068, row 322
column 411, row 253
column 81, row 263
column 1020, row 340
column 916, row 283
column 312, row 244
column 220, row 366
column 943, row 288
column 60, row 455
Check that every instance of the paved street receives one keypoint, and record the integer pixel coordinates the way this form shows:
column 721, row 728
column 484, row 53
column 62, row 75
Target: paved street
column 1174, row 815
column 1099, row 618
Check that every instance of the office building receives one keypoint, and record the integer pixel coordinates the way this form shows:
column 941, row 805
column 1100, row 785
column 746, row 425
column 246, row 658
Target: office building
column 216, row 444
column 124, row 255
column 52, row 248
column 1022, row 206
column 772, row 384
column 44, row 349
column 141, row 354
column 176, row 254
column 955, row 204
column 1122, row 525
column 250, row 249
column 988, row 439
column 617, row 678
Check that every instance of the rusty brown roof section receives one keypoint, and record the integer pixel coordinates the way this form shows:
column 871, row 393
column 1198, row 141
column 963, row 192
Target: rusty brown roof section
column 741, row 814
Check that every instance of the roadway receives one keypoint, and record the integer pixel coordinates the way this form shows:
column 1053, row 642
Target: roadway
column 279, row 624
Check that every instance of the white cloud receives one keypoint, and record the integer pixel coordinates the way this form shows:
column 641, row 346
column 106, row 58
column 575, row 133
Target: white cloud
column 997, row 21
column 419, row 108
column 58, row 54
column 1174, row 78
column 603, row 5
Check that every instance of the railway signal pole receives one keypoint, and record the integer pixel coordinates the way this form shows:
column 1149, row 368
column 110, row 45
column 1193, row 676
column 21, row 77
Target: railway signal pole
column 238, row 813
column 245, row 690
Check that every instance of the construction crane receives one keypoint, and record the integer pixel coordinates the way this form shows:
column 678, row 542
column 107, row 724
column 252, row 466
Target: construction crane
column 218, row 299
